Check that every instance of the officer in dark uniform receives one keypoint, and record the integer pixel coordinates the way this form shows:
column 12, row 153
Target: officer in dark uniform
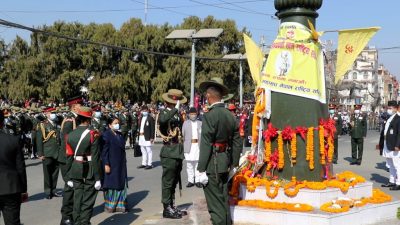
column 83, row 166
column 124, row 120
column 134, row 127
column 338, row 124
column 220, row 150
column 69, row 124
column 171, row 154
column 358, row 131
column 48, row 146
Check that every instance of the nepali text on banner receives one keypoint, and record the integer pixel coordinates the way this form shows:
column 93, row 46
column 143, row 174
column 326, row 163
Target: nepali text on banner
column 295, row 64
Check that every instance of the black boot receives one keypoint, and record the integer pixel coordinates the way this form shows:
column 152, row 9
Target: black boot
column 66, row 222
column 178, row 211
column 170, row 213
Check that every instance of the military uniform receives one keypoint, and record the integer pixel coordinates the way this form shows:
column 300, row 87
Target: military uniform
column 358, row 130
column 124, row 121
column 48, row 146
column 67, row 126
column 220, row 150
column 171, row 154
column 134, row 128
column 83, row 169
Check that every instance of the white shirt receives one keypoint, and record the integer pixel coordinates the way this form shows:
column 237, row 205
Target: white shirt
column 194, row 153
column 195, row 135
column 142, row 140
column 143, row 122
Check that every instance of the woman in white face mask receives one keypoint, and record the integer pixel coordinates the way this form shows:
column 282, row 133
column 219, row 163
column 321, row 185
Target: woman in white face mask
column 115, row 171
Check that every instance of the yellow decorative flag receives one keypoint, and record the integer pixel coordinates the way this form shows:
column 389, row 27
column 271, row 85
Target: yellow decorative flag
column 255, row 58
column 351, row 43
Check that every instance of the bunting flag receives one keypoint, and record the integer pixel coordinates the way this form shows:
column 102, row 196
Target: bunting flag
column 255, row 59
column 350, row 44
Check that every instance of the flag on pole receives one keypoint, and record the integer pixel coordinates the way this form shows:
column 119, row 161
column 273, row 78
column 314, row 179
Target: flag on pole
column 350, row 44
column 255, row 58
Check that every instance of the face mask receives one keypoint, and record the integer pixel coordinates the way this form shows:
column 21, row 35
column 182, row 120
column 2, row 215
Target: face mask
column 97, row 114
column 53, row 116
column 193, row 117
column 145, row 113
column 390, row 112
column 331, row 111
column 357, row 111
column 116, row 126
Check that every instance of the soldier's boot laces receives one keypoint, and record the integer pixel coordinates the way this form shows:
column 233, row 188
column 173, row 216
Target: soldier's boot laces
column 170, row 213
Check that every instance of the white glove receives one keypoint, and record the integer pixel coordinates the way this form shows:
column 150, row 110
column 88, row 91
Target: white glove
column 203, row 178
column 178, row 104
column 97, row 185
column 70, row 184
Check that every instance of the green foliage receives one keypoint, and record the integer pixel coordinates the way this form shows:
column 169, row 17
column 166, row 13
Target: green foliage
column 51, row 68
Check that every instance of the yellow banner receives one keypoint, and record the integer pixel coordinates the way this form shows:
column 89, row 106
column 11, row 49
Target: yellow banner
column 350, row 44
column 255, row 58
column 295, row 64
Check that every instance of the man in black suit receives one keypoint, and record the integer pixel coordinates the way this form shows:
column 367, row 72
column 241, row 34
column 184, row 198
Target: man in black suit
column 146, row 138
column 12, row 176
column 390, row 145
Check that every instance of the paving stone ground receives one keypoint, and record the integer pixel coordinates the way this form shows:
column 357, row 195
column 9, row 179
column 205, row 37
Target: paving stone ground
column 144, row 194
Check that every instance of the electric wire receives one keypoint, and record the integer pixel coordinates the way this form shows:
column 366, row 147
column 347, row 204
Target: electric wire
column 84, row 41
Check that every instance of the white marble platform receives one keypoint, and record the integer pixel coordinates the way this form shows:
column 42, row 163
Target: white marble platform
column 369, row 214
column 312, row 197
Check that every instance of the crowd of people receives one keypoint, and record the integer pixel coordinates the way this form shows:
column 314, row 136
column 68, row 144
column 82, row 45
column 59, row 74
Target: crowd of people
column 87, row 142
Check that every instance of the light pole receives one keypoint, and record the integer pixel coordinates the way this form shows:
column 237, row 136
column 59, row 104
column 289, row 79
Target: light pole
column 194, row 37
column 239, row 57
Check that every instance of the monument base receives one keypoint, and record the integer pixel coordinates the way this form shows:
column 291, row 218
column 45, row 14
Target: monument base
column 366, row 215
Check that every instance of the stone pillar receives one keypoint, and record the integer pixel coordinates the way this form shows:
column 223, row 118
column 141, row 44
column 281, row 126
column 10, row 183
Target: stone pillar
column 298, row 111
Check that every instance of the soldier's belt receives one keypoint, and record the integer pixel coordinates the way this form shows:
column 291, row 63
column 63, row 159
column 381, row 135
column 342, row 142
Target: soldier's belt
column 221, row 147
column 83, row 159
column 141, row 134
column 170, row 143
column 195, row 141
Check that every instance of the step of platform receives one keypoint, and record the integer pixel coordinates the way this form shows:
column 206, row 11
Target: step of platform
column 316, row 198
column 371, row 214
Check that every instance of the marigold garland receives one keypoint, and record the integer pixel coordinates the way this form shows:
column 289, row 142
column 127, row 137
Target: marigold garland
column 258, row 108
column 310, row 147
column 268, row 150
column 281, row 162
column 268, row 189
column 322, row 144
column 344, row 205
column 327, row 207
column 293, row 148
column 292, row 189
column 343, row 181
column 296, row 207
column 330, row 149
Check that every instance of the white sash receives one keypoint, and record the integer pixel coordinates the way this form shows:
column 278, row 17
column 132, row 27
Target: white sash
column 80, row 141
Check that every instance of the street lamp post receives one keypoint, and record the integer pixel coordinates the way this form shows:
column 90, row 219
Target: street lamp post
column 239, row 57
column 194, row 37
